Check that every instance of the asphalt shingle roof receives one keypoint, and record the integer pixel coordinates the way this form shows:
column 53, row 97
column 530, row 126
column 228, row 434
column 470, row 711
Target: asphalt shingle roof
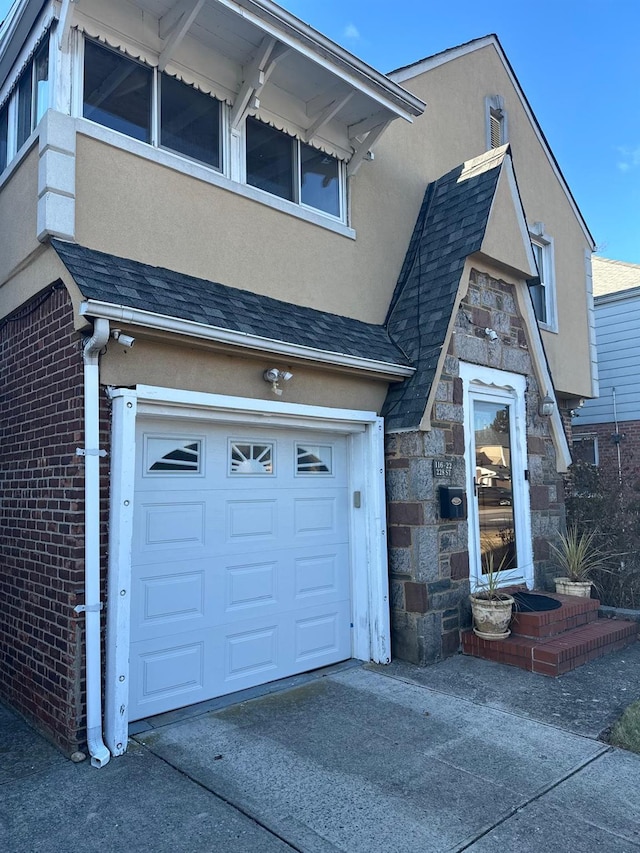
column 451, row 225
column 120, row 281
column 610, row 276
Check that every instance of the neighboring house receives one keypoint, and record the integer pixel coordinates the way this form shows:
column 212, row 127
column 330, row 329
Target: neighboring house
column 606, row 431
column 216, row 301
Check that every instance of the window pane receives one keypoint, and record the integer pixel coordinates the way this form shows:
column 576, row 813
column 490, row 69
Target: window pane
column 4, row 134
column 117, row 92
column 539, row 302
column 269, row 159
column 190, row 121
column 320, row 180
column 24, row 105
column 42, row 80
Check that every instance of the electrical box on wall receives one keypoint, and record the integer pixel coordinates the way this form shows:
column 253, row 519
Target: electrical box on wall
column 453, row 503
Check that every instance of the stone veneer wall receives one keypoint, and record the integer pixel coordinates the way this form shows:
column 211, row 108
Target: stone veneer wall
column 429, row 557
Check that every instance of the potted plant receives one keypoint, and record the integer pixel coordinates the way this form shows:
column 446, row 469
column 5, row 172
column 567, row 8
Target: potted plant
column 578, row 557
column 490, row 607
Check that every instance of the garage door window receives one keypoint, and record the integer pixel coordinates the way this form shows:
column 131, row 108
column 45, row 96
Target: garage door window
column 168, row 455
column 249, row 458
column 314, row 459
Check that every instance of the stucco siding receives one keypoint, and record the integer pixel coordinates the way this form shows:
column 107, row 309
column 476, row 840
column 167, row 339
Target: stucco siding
column 18, row 215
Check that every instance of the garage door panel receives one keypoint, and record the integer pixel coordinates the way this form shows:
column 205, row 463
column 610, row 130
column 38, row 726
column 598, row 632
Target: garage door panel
column 240, row 564
column 165, row 676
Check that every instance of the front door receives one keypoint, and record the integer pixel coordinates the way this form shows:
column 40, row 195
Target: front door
column 497, row 488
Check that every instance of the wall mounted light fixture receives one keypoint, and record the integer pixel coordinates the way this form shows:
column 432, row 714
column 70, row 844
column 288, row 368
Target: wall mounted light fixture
column 547, row 406
column 274, row 376
column 491, row 334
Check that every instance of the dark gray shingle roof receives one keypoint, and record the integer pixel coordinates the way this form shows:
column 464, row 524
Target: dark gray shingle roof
column 119, row 281
column 450, row 227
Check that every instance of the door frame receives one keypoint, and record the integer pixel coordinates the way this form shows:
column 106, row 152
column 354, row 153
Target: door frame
column 486, row 383
column 370, row 616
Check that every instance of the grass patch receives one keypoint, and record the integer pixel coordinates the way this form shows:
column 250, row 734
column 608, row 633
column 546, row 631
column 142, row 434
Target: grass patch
column 626, row 732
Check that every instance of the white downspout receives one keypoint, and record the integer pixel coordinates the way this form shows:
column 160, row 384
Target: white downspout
column 100, row 755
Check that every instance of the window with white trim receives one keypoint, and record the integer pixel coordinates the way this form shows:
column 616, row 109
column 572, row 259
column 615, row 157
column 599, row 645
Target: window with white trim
column 120, row 92
column 542, row 290
column 26, row 105
column 284, row 166
column 496, row 121
column 585, row 448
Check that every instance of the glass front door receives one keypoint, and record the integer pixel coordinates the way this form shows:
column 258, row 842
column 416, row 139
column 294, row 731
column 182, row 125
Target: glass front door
column 493, row 485
column 497, row 490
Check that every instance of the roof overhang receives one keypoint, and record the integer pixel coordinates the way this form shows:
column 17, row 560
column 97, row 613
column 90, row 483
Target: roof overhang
column 93, row 309
column 261, row 60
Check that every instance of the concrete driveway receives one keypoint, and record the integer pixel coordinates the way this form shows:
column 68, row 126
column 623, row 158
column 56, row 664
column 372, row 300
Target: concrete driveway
column 352, row 759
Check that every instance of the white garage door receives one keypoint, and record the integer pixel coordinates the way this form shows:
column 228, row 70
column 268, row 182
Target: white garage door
column 240, row 564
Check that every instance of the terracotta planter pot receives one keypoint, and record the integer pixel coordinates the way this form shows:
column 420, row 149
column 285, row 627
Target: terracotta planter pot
column 491, row 617
column 564, row 586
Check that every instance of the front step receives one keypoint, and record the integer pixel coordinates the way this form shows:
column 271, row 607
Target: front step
column 555, row 641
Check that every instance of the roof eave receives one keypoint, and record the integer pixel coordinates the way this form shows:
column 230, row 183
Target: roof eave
column 91, row 308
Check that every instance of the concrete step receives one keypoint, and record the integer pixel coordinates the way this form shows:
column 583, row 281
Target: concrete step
column 557, row 654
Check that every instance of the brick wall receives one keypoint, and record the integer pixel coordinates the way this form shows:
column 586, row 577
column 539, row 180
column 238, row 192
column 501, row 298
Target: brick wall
column 41, row 517
column 628, row 441
column 429, row 556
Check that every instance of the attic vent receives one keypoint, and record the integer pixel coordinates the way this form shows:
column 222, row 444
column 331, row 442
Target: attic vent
column 495, row 119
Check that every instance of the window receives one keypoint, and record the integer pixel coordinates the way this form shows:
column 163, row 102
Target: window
column 585, row 449
column 26, row 106
column 117, row 91
column 4, row 137
column 189, row 121
column 281, row 165
column 496, row 120
column 543, row 290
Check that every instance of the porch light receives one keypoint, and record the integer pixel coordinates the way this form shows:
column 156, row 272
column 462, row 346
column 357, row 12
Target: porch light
column 546, row 407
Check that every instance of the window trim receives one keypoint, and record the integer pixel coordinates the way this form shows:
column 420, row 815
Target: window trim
column 544, row 241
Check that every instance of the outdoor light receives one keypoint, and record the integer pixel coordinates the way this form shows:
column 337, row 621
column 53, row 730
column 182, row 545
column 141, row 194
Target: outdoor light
column 491, row 334
column 125, row 340
column 273, row 375
column 547, row 405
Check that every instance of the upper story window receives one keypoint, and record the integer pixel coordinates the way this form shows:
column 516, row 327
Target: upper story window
column 25, row 107
column 282, row 165
column 135, row 99
column 496, row 121
column 543, row 293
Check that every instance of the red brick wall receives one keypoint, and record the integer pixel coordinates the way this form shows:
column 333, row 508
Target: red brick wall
column 41, row 516
column 629, row 443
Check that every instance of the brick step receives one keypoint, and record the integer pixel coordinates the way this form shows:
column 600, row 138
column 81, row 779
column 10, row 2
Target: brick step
column 558, row 654
column 574, row 612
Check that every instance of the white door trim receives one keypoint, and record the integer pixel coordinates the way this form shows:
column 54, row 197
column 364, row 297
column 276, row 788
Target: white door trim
column 479, row 382
column 367, row 524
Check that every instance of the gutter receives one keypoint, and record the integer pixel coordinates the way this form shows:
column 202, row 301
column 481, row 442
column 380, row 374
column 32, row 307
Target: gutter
column 100, row 755
column 151, row 320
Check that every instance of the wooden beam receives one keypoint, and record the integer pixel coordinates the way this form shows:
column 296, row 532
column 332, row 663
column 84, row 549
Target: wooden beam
column 367, row 124
column 327, row 114
column 364, row 147
column 179, row 32
column 66, row 13
column 254, row 80
column 170, row 19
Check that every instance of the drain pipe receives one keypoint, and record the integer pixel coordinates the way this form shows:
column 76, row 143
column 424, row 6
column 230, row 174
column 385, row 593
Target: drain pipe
column 99, row 753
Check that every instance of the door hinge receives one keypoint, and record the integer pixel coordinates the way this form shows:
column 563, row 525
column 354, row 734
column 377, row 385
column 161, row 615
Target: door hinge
column 357, row 499
column 526, row 473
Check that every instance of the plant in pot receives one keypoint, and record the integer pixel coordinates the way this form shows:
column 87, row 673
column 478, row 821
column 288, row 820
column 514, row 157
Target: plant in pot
column 492, row 608
column 578, row 557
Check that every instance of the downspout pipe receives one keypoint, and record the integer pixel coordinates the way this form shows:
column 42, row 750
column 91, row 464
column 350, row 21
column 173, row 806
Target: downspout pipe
column 99, row 753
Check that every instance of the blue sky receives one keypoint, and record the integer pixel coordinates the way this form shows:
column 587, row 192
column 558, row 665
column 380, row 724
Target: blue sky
column 578, row 62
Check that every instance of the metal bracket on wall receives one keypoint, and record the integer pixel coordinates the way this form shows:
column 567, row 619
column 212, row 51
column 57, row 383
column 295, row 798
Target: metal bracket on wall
column 80, row 451
column 88, row 608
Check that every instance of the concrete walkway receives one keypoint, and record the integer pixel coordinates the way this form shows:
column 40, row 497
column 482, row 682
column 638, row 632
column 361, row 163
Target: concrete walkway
column 464, row 755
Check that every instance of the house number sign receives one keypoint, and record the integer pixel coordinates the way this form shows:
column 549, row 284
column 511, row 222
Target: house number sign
column 442, row 468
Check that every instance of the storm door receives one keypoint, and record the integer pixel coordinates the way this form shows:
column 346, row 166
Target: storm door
column 497, row 488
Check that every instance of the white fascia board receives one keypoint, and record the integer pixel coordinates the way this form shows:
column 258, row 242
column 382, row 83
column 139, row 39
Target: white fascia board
column 150, row 320
column 273, row 19
column 431, row 62
column 617, row 296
